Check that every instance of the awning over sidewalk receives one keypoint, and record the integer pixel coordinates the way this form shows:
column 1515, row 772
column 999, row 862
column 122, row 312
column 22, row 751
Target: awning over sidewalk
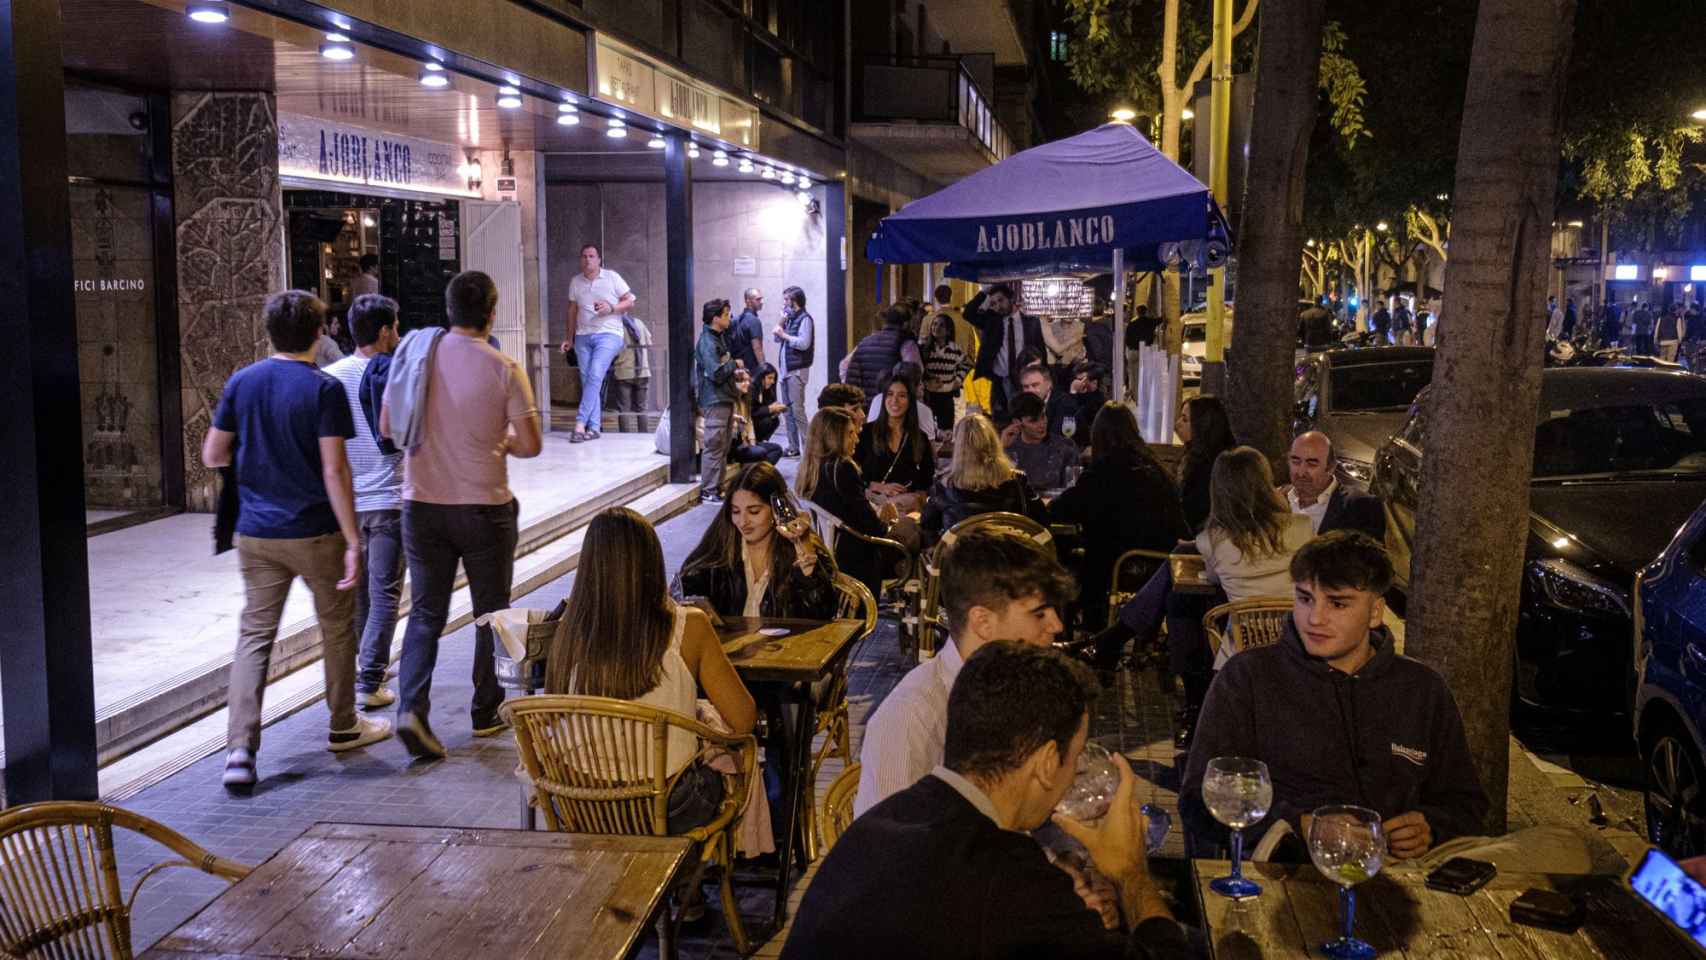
column 1060, row 208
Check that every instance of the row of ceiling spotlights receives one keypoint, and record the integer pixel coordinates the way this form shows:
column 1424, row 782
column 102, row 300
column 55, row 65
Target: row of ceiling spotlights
column 338, row 47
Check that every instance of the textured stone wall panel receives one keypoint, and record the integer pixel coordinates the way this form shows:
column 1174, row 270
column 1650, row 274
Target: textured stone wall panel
column 230, row 238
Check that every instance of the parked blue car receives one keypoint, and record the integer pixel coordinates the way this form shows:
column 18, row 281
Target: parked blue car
column 1670, row 698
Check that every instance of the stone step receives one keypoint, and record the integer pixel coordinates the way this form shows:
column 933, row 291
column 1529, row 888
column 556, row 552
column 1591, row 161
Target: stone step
column 305, row 686
column 181, row 698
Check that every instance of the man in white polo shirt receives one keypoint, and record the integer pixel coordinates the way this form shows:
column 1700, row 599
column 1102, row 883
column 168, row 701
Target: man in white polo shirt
column 597, row 300
column 997, row 585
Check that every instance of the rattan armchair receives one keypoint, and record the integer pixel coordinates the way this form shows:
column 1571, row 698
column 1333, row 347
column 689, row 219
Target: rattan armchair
column 832, row 722
column 598, row 765
column 899, row 581
column 1255, row 622
column 838, row 805
column 59, row 880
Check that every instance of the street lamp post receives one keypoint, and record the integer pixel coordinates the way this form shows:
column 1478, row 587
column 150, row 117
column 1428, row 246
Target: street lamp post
column 1220, row 109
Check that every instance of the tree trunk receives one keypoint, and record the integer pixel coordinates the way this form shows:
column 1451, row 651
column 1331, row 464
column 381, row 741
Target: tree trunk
column 1259, row 366
column 1472, row 521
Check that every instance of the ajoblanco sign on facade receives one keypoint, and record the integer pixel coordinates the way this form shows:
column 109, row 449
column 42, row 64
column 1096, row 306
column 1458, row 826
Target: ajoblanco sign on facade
column 313, row 149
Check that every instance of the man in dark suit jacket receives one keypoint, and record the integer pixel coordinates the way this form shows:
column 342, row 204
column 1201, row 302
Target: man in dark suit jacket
column 945, row 869
column 1316, row 493
column 995, row 314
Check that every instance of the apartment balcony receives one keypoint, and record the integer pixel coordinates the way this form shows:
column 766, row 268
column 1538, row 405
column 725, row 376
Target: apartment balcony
column 934, row 115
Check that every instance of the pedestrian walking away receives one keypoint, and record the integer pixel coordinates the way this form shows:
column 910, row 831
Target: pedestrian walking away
column 378, row 480
column 597, row 300
column 457, row 505
column 283, row 424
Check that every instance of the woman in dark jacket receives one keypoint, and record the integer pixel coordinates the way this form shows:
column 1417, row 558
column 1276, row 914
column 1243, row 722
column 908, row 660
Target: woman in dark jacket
column 766, row 409
column 830, row 479
column 894, row 456
column 745, row 550
column 1124, row 501
column 1207, row 433
column 980, row 480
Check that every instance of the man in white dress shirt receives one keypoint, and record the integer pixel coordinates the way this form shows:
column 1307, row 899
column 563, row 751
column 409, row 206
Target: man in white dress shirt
column 996, row 585
column 597, row 300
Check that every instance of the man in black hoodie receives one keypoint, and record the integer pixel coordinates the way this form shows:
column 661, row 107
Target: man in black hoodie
column 1362, row 724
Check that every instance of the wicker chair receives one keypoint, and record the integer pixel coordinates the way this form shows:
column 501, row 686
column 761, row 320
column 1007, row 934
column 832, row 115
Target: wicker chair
column 1256, row 622
column 838, row 805
column 832, row 723
column 59, row 880
column 598, row 765
column 902, row 583
column 932, row 624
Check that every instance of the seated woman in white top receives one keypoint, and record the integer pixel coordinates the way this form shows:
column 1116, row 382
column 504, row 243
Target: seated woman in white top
column 1251, row 532
column 623, row 637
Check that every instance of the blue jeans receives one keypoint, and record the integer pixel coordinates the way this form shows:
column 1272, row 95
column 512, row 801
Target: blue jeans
column 377, row 593
column 594, row 352
column 435, row 536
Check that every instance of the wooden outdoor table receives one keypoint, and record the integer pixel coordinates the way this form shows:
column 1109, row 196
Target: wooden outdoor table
column 1298, row 910
column 781, row 670
column 807, row 653
column 357, row 891
column 1188, row 571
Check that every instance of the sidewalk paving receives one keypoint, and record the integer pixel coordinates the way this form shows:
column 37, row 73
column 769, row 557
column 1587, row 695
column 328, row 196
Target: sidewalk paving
column 302, row 783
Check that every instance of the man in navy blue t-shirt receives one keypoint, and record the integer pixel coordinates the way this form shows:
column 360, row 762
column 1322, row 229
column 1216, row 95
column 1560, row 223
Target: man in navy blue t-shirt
column 283, row 424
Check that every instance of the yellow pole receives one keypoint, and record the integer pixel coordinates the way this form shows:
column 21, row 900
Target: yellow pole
column 1221, row 117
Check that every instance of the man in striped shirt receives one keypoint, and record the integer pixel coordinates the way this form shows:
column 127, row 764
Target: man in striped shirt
column 378, row 503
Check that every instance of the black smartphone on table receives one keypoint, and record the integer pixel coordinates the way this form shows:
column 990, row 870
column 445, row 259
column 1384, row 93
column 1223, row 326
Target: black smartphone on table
column 1548, row 908
column 1461, row 875
column 1662, row 884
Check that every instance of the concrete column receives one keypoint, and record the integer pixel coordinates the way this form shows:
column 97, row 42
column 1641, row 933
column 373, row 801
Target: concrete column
column 46, row 680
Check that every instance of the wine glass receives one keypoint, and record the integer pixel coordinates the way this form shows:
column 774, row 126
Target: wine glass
column 1347, row 845
column 1093, row 784
column 1068, row 426
column 1095, row 779
column 785, row 513
column 1238, row 793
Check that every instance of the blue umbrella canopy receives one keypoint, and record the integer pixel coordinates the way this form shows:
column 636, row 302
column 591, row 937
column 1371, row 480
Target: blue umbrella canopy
column 1060, row 208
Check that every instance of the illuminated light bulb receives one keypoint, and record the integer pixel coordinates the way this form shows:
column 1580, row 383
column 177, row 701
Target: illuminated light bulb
column 208, row 12
column 509, row 98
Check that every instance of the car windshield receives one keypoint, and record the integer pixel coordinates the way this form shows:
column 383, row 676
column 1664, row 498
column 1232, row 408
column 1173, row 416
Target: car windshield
column 1378, row 386
column 1665, row 437
column 1196, row 332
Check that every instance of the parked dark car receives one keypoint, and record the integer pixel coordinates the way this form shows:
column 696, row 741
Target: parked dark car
column 1619, row 463
column 1670, row 701
column 1358, row 398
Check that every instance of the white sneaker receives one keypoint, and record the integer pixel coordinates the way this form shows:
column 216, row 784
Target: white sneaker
column 374, row 699
column 366, row 730
column 239, row 775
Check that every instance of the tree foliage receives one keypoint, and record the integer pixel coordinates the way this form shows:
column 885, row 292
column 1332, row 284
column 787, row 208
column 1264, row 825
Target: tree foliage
column 1630, row 146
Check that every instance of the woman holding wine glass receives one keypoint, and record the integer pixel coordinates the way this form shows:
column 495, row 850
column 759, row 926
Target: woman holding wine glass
column 749, row 565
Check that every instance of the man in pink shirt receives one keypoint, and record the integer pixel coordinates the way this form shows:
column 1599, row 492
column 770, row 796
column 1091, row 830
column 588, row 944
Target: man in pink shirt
column 457, row 505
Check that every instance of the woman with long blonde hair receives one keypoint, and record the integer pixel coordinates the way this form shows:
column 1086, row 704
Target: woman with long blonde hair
column 1251, row 532
column 980, row 479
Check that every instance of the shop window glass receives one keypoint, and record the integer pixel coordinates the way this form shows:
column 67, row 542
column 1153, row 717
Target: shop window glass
column 711, row 44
